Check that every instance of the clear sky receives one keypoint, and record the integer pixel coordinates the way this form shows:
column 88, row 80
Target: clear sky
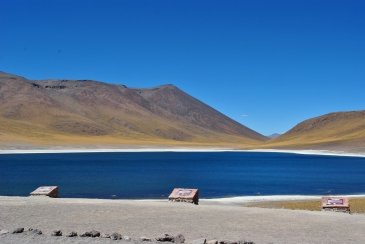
column 267, row 64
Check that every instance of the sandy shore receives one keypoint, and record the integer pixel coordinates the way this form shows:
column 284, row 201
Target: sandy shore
column 154, row 218
column 311, row 152
column 250, row 199
column 98, row 150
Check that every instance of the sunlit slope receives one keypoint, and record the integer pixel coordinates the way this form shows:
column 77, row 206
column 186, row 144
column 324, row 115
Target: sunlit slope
column 86, row 112
column 339, row 131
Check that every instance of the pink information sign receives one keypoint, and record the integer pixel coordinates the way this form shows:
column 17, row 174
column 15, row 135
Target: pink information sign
column 335, row 202
column 184, row 195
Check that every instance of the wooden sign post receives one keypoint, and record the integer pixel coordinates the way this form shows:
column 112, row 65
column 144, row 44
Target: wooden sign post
column 337, row 204
column 49, row 191
column 185, row 195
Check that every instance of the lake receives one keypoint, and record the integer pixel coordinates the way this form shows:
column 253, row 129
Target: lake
column 152, row 175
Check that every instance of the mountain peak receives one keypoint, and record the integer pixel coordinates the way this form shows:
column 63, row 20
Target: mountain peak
column 274, row 135
column 9, row 75
column 86, row 109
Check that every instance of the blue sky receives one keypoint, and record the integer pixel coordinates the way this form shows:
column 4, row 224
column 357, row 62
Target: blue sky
column 267, row 64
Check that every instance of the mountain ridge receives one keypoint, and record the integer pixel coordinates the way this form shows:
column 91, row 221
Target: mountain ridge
column 340, row 131
column 86, row 108
column 89, row 113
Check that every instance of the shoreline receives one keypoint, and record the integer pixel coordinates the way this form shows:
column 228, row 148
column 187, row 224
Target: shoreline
column 142, row 150
column 272, row 198
column 209, row 201
column 152, row 219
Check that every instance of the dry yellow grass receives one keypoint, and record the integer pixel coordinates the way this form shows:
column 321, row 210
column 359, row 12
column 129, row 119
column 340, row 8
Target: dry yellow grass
column 343, row 131
column 32, row 137
column 357, row 205
column 86, row 113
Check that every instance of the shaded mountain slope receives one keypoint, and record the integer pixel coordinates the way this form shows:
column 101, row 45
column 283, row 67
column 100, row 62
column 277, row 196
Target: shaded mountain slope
column 86, row 111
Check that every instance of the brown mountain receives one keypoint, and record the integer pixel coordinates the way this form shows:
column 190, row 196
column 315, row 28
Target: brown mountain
column 86, row 112
column 344, row 131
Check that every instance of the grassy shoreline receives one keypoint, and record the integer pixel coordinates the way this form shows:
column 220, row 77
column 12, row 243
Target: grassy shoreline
column 357, row 205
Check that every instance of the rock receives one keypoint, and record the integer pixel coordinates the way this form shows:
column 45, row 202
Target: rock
column 179, row 239
column 94, row 233
column 126, row 238
column 86, row 234
column 116, row 236
column 145, row 239
column 105, row 236
column 57, row 233
column 228, row 242
column 212, row 242
column 18, row 230
column 199, row 241
column 166, row 238
column 3, row 232
column 72, row 234
column 246, row 242
column 36, row 232
column 30, row 229
column 169, row 238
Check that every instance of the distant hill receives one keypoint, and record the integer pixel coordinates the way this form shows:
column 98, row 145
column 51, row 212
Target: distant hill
column 343, row 131
column 275, row 135
column 87, row 112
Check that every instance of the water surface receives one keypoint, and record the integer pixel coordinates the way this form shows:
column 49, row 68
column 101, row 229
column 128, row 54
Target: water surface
column 153, row 174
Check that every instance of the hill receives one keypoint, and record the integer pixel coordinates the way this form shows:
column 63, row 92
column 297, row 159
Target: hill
column 87, row 112
column 275, row 135
column 343, row 131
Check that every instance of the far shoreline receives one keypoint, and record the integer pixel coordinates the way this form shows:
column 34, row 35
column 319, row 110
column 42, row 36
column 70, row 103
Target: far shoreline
column 142, row 150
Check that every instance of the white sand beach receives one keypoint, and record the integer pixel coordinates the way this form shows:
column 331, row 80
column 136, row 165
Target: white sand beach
column 242, row 200
column 155, row 218
column 310, row 152
column 172, row 149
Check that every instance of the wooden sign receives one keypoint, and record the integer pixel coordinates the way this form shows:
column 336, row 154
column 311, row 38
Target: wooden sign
column 49, row 191
column 184, row 195
column 340, row 204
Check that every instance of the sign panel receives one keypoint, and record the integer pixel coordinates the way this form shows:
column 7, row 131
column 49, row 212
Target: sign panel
column 184, row 195
column 335, row 202
column 50, row 191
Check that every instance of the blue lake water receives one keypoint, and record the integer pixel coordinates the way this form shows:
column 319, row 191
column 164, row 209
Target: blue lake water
column 155, row 174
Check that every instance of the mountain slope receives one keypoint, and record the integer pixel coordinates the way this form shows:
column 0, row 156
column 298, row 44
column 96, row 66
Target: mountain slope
column 337, row 131
column 88, row 112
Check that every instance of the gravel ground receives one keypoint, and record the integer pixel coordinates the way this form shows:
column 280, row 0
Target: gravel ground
column 43, row 239
column 155, row 218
